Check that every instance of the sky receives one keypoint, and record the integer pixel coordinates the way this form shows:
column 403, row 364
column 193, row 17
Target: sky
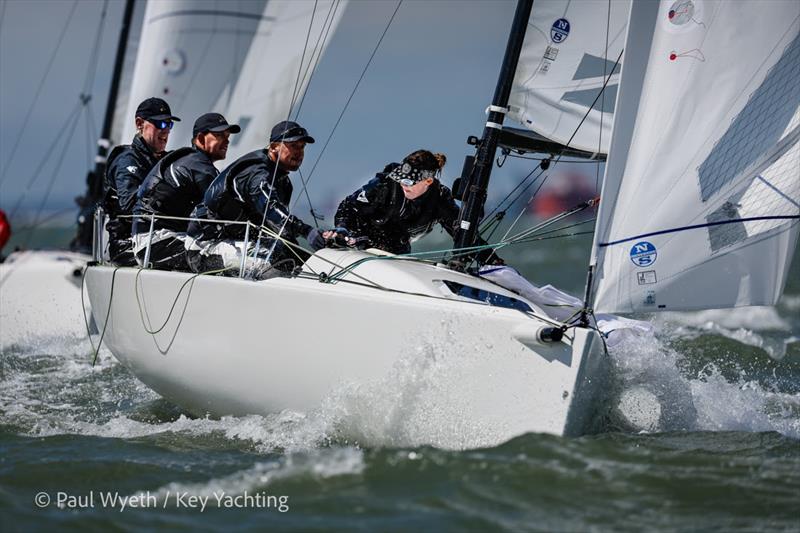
column 427, row 87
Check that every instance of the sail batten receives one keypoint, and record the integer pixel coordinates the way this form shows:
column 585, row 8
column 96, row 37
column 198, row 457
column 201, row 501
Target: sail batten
column 701, row 195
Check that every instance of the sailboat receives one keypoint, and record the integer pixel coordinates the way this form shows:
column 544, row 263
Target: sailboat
column 683, row 224
column 162, row 50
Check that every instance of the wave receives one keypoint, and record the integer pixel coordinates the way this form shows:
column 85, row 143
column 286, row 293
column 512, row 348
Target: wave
column 52, row 389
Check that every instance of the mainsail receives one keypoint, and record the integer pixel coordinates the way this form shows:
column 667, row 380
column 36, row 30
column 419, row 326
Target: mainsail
column 240, row 59
column 570, row 50
column 701, row 199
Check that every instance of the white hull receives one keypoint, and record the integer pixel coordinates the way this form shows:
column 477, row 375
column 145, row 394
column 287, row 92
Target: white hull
column 40, row 296
column 241, row 347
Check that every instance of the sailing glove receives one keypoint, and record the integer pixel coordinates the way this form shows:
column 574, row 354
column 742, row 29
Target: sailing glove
column 315, row 239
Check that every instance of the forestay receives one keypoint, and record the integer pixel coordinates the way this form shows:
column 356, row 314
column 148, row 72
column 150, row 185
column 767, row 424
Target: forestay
column 700, row 200
column 240, row 59
column 562, row 68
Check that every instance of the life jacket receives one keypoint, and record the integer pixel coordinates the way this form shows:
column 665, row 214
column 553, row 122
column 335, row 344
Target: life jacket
column 158, row 195
column 222, row 199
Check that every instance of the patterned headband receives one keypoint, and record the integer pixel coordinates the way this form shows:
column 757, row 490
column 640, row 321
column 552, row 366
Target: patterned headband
column 407, row 172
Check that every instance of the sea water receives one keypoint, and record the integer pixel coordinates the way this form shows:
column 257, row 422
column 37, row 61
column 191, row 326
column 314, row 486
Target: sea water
column 702, row 432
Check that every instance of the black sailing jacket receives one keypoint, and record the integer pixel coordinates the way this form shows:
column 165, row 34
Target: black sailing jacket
column 128, row 165
column 174, row 187
column 380, row 211
column 243, row 191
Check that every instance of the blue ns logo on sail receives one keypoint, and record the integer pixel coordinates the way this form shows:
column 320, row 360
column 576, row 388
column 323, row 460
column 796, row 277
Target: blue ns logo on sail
column 559, row 31
column 643, row 254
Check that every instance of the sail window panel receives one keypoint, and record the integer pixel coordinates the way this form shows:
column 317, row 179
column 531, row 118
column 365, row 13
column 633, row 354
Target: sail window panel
column 586, row 98
column 595, row 67
column 724, row 235
column 763, row 121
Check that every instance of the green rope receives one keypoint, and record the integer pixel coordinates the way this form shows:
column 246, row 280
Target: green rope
column 174, row 302
column 108, row 314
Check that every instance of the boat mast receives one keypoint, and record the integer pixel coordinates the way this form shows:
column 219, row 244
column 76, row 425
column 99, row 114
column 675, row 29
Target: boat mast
column 478, row 181
column 94, row 181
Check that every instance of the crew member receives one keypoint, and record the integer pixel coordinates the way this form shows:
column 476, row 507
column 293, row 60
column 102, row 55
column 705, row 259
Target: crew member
column 254, row 188
column 402, row 204
column 127, row 167
column 173, row 188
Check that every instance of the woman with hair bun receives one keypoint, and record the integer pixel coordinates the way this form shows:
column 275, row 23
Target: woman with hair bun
column 402, row 204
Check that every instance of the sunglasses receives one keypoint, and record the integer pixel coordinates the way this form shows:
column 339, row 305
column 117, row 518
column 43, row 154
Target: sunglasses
column 162, row 124
column 410, row 183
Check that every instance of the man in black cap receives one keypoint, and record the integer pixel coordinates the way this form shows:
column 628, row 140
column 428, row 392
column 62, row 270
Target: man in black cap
column 127, row 167
column 254, row 188
column 173, row 188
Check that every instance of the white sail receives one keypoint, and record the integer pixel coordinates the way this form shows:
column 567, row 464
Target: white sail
column 278, row 68
column 701, row 197
column 562, row 68
column 240, row 59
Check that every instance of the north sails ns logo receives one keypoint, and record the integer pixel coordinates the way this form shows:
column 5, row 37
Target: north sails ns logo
column 643, row 254
column 559, row 31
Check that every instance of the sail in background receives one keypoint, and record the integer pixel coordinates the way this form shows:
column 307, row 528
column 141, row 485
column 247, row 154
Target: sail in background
column 240, row 59
column 562, row 67
column 701, row 197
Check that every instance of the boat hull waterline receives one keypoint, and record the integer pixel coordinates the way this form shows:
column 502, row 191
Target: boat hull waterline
column 238, row 347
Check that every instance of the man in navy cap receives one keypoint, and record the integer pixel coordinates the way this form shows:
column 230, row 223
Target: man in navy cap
column 127, row 167
column 173, row 188
column 254, row 188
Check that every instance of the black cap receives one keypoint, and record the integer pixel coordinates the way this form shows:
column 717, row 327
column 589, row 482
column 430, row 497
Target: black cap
column 288, row 131
column 213, row 122
column 155, row 109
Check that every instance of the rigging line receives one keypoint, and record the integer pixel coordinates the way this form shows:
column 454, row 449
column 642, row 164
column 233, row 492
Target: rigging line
column 48, row 218
column 52, row 182
column 257, row 246
column 329, row 23
column 91, row 70
column 501, row 202
column 698, row 226
column 497, row 208
column 602, row 102
column 302, row 59
column 534, row 232
column 92, row 126
column 25, row 122
column 363, row 73
column 308, row 198
column 43, row 162
column 574, row 133
column 563, row 235
column 316, row 54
